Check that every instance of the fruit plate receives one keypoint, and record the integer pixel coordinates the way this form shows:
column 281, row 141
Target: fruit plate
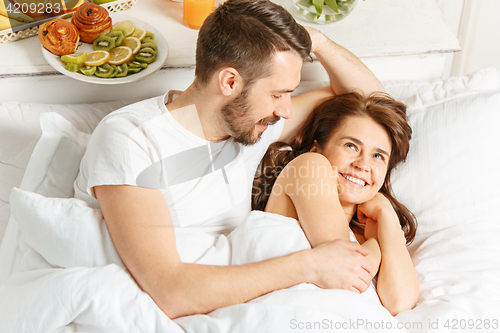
column 161, row 43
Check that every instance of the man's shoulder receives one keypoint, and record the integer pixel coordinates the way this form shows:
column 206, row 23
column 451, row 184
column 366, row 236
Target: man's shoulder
column 133, row 116
column 142, row 110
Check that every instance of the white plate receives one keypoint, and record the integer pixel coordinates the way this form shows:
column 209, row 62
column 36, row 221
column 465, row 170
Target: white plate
column 161, row 43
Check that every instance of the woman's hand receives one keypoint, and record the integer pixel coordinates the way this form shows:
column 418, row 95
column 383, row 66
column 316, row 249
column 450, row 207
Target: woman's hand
column 371, row 227
column 315, row 35
column 371, row 211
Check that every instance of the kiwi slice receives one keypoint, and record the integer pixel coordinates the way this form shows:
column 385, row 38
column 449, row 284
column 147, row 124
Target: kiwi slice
column 88, row 70
column 115, row 70
column 147, row 55
column 135, row 66
column 122, row 70
column 117, row 35
column 103, row 43
column 150, row 35
column 75, row 58
column 148, row 40
column 104, row 71
column 133, row 70
column 135, row 63
column 72, row 67
column 151, row 45
column 123, row 30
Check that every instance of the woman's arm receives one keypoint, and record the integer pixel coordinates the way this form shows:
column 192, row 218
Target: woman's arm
column 346, row 71
column 141, row 228
column 307, row 191
column 371, row 244
column 347, row 74
column 397, row 283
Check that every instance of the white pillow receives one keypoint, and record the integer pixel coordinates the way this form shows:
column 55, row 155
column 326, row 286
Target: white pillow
column 19, row 132
column 416, row 93
column 56, row 158
column 51, row 171
column 450, row 176
column 66, row 232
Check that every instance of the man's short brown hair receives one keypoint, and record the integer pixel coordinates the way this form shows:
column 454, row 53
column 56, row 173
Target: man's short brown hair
column 244, row 34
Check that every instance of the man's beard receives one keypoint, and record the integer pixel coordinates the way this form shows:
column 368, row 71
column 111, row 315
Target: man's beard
column 238, row 117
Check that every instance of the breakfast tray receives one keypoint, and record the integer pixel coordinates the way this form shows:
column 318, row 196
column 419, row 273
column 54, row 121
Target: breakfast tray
column 31, row 29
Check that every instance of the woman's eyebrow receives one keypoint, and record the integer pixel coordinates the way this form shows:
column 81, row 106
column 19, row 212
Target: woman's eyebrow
column 381, row 151
column 359, row 142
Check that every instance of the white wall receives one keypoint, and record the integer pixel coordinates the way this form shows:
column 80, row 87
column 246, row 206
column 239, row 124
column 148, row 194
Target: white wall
column 476, row 24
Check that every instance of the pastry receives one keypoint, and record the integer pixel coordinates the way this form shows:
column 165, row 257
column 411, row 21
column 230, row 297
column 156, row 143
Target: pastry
column 59, row 36
column 91, row 21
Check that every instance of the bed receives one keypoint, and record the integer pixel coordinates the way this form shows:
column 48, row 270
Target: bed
column 59, row 271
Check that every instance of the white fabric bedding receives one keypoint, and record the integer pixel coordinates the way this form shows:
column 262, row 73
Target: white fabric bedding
column 92, row 267
column 20, row 131
column 76, row 283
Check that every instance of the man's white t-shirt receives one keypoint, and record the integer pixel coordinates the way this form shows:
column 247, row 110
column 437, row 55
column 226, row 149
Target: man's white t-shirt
column 206, row 185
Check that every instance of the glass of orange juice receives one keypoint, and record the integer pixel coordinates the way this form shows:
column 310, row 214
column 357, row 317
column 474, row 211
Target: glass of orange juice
column 196, row 11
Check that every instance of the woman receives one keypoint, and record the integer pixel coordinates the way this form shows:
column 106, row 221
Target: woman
column 335, row 180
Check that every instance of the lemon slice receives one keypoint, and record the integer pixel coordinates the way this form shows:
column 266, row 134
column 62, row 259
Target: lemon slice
column 133, row 43
column 75, row 58
column 139, row 33
column 127, row 25
column 97, row 58
column 120, row 55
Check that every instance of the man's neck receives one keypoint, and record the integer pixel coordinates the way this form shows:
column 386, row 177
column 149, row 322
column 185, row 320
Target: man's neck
column 198, row 111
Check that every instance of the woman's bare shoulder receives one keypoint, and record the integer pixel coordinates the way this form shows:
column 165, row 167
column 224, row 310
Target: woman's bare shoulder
column 307, row 167
column 309, row 160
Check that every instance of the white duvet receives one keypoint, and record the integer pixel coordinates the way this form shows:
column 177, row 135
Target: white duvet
column 63, row 285
column 70, row 278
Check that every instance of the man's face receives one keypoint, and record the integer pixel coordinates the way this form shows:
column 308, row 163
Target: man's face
column 268, row 99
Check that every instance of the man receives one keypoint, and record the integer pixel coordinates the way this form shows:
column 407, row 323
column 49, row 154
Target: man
column 159, row 170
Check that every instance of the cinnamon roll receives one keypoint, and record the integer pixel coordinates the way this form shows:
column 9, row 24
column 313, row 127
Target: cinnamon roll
column 91, row 20
column 59, row 36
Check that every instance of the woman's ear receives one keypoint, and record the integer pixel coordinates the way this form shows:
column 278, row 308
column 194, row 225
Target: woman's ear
column 314, row 148
column 229, row 81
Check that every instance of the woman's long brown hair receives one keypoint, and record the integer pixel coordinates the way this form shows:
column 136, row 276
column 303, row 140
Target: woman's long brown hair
column 318, row 128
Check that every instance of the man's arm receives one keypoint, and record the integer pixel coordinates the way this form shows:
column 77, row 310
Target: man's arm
column 133, row 214
column 347, row 74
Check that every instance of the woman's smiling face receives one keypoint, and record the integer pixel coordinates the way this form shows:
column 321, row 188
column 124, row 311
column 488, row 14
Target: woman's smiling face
column 359, row 150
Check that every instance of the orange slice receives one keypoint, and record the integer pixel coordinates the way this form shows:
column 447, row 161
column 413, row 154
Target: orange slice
column 139, row 33
column 127, row 25
column 133, row 43
column 97, row 58
column 120, row 55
